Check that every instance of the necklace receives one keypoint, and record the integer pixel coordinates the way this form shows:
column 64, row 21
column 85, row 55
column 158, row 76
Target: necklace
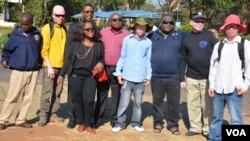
column 86, row 53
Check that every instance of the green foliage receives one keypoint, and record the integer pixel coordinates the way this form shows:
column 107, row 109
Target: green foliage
column 3, row 39
column 35, row 7
column 14, row 16
column 148, row 7
column 102, row 24
column 185, row 27
column 3, row 3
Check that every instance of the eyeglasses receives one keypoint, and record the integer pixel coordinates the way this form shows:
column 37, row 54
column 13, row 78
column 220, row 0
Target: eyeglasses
column 91, row 12
column 89, row 29
column 58, row 15
column 232, row 27
column 200, row 22
column 117, row 19
column 168, row 22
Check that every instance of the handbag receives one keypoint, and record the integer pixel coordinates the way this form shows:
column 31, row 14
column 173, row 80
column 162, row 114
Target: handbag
column 101, row 76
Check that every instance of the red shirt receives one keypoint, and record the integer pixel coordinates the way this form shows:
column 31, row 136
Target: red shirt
column 112, row 42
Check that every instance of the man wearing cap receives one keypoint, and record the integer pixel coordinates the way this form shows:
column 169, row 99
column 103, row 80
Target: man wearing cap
column 195, row 61
column 53, row 59
column 227, row 81
column 133, row 71
column 167, row 42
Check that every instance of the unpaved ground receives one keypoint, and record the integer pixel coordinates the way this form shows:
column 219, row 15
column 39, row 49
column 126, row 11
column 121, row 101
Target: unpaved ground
column 59, row 132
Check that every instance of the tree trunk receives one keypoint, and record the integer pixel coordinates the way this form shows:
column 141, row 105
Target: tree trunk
column 45, row 2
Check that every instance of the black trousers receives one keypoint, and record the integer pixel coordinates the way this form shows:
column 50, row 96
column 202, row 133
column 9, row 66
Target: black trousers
column 83, row 91
column 169, row 87
column 102, row 96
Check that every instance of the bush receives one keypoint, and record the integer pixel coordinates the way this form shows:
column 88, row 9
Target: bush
column 3, row 39
column 185, row 27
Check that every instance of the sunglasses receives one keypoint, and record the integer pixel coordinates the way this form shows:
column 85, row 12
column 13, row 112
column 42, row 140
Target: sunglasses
column 58, row 15
column 88, row 12
column 200, row 22
column 88, row 29
column 168, row 22
column 232, row 27
column 117, row 19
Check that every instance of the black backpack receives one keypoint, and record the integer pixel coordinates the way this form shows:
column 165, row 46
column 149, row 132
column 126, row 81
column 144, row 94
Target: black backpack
column 51, row 26
column 240, row 51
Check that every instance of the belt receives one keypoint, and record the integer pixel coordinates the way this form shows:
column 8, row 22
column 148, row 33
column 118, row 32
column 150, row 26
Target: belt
column 110, row 67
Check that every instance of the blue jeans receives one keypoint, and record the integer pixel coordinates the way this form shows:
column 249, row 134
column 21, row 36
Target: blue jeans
column 234, row 103
column 129, row 88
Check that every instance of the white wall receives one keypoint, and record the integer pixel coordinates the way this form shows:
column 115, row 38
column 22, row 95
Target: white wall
column 15, row 1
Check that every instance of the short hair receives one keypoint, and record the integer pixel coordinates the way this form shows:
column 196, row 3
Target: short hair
column 115, row 13
column 27, row 15
column 87, row 5
column 58, row 8
column 166, row 15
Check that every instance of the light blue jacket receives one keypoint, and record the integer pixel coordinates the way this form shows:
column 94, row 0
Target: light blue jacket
column 134, row 63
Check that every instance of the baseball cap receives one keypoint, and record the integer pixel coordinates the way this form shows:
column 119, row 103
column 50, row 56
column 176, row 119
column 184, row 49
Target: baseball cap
column 197, row 15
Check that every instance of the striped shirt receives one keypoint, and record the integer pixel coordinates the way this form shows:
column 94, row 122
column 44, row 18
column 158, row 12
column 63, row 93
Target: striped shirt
column 226, row 75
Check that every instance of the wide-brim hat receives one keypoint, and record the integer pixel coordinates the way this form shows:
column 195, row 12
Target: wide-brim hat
column 141, row 21
column 233, row 19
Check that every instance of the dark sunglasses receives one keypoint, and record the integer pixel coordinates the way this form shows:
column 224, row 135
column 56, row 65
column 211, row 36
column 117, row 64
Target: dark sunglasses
column 89, row 12
column 89, row 29
column 232, row 26
column 200, row 22
column 168, row 22
column 117, row 19
column 58, row 15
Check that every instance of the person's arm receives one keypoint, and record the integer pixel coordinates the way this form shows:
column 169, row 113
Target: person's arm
column 183, row 66
column 7, row 50
column 244, row 87
column 213, row 70
column 149, row 68
column 214, row 32
column 68, row 63
column 100, row 65
column 121, row 61
column 45, row 50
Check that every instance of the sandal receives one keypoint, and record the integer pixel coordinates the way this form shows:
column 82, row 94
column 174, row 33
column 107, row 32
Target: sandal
column 175, row 131
column 157, row 129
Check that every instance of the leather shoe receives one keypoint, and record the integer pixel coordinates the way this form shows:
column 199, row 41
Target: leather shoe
column 80, row 128
column 71, row 124
column 2, row 126
column 90, row 130
column 25, row 125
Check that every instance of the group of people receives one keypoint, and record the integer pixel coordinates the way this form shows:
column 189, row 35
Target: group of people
column 167, row 58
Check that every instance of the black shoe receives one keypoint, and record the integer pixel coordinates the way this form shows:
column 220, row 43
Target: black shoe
column 205, row 136
column 71, row 124
column 191, row 133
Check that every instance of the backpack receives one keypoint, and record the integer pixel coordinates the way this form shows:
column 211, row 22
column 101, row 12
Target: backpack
column 51, row 27
column 240, row 51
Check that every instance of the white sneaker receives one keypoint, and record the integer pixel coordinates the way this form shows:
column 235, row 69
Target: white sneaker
column 116, row 129
column 138, row 128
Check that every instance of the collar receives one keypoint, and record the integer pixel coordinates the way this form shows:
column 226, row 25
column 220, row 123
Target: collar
column 115, row 32
column 236, row 39
column 133, row 36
